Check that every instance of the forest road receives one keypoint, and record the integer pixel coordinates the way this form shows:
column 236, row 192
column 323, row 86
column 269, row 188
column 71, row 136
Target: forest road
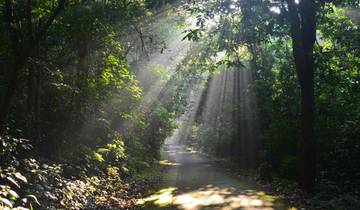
column 192, row 182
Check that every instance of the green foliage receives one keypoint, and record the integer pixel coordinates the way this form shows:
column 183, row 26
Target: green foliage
column 114, row 152
column 261, row 30
column 91, row 154
column 11, row 180
column 11, row 147
column 290, row 184
column 76, row 193
column 80, row 99
column 160, row 123
column 71, row 79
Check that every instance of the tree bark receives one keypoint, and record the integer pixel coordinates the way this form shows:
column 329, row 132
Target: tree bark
column 303, row 33
column 20, row 50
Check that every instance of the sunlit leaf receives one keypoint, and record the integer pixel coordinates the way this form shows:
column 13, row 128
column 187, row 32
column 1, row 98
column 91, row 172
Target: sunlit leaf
column 33, row 197
column 20, row 176
column 6, row 202
column 13, row 181
column 13, row 195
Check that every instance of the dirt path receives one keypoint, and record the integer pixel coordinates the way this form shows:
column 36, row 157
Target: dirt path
column 193, row 183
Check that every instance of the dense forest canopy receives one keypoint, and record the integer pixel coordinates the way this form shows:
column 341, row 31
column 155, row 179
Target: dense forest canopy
column 91, row 90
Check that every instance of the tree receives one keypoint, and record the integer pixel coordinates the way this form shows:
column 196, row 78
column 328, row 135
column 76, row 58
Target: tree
column 303, row 33
column 21, row 47
column 301, row 15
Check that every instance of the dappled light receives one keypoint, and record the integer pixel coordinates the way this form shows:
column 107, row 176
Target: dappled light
column 179, row 104
column 162, row 198
column 209, row 197
column 168, row 163
column 194, row 183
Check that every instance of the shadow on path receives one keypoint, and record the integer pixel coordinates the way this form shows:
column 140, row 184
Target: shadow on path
column 192, row 183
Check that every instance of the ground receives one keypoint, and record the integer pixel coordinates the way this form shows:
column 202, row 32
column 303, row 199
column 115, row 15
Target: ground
column 192, row 182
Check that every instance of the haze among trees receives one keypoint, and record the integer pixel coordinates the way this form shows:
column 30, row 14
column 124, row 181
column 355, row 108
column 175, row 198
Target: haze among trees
column 96, row 94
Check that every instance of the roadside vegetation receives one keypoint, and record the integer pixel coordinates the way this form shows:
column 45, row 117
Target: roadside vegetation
column 91, row 90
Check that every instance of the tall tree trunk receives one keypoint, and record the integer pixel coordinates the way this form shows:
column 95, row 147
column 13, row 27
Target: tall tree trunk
column 37, row 102
column 14, row 65
column 303, row 33
column 10, row 91
column 30, row 79
column 21, row 50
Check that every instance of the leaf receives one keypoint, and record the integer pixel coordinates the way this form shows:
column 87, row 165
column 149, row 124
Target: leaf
column 188, row 36
column 193, row 34
column 21, row 177
column 13, row 181
column 21, row 208
column 103, row 150
column 24, row 200
column 6, row 202
column 13, row 195
column 98, row 157
column 146, row 164
column 34, row 198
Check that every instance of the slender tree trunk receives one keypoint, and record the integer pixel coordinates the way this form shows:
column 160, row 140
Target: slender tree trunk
column 303, row 33
column 37, row 103
column 30, row 90
column 30, row 79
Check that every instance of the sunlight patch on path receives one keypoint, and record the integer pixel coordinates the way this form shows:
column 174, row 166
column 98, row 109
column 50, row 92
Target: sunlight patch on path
column 191, row 182
column 162, row 198
column 209, row 197
column 168, row 163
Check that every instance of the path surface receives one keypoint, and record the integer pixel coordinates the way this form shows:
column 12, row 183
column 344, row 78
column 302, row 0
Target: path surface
column 193, row 183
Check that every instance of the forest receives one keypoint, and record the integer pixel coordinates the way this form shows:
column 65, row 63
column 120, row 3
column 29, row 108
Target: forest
column 179, row 104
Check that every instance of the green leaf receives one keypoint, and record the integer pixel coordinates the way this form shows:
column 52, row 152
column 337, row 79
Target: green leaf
column 103, row 150
column 13, row 195
column 146, row 164
column 98, row 157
